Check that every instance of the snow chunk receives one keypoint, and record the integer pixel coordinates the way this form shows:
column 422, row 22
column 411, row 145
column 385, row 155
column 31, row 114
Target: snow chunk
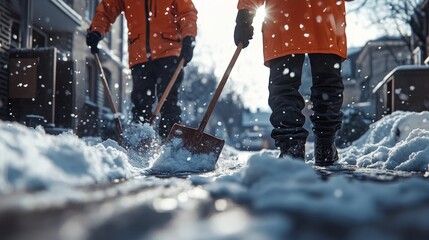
column 32, row 160
column 399, row 141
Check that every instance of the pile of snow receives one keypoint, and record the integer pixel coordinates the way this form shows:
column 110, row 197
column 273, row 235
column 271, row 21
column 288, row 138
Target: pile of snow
column 31, row 159
column 399, row 141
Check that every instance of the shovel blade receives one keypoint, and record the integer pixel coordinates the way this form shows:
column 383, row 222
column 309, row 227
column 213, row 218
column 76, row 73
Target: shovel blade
column 197, row 142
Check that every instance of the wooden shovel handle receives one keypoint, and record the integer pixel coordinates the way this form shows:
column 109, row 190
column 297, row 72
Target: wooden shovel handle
column 109, row 97
column 167, row 90
column 220, row 88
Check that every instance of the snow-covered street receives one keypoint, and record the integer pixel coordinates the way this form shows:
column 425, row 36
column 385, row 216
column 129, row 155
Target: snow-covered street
column 63, row 187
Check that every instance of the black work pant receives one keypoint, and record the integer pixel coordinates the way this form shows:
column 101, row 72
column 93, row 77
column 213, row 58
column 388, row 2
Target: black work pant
column 150, row 79
column 287, row 103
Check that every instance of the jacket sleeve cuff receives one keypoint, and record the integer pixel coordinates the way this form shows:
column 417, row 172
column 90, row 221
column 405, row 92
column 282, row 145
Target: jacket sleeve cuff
column 97, row 29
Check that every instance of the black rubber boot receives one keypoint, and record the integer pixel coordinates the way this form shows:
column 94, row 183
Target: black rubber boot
column 325, row 152
column 295, row 149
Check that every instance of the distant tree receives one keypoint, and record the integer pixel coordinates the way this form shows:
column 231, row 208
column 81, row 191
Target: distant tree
column 229, row 110
column 395, row 17
column 196, row 94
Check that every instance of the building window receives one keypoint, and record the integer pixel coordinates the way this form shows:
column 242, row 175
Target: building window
column 90, row 83
column 15, row 36
column 108, row 75
column 69, row 2
column 91, row 5
column 39, row 39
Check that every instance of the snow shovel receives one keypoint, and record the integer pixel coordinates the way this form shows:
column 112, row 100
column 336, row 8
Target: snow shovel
column 109, row 97
column 195, row 140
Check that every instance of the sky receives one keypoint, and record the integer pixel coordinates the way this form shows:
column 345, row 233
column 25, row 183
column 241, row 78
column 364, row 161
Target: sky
column 397, row 142
column 249, row 78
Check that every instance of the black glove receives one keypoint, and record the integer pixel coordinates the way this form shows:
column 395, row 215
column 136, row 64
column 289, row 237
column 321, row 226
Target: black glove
column 243, row 29
column 92, row 39
column 187, row 52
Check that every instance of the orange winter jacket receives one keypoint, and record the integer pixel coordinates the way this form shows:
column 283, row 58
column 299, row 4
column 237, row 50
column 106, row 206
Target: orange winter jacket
column 155, row 27
column 301, row 26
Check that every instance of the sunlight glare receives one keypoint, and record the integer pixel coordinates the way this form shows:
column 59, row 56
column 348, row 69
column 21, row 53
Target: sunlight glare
column 260, row 14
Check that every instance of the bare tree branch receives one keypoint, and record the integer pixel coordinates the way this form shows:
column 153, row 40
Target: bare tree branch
column 392, row 16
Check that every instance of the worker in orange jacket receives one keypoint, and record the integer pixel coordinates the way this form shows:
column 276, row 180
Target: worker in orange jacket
column 160, row 33
column 291, row 29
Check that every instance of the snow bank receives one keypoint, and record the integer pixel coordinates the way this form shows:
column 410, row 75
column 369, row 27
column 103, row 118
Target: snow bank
column 31, row 160
column 399, row 141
